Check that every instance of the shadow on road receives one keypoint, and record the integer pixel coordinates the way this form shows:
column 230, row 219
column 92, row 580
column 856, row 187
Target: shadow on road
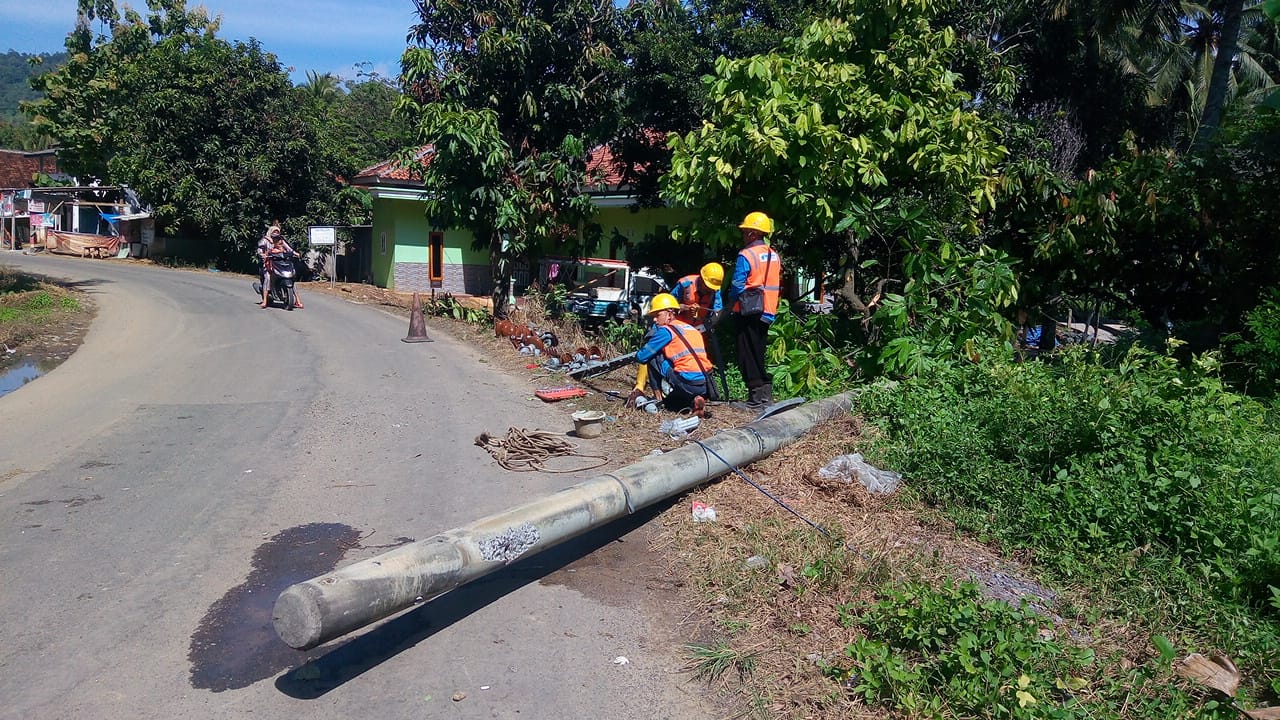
column 348, row 661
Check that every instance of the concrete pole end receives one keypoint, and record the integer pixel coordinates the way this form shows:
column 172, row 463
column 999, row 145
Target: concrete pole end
column 297, row 618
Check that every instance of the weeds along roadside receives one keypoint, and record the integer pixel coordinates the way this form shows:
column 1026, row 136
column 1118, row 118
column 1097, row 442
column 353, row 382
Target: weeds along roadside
column 28, row 304
column 1146, row 493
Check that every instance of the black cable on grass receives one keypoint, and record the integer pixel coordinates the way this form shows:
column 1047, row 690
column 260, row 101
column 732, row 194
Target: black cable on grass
column 767, row 494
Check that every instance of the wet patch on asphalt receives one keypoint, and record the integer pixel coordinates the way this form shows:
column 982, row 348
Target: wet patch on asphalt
column 235, row 644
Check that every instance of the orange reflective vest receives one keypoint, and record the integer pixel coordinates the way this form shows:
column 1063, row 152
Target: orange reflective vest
column 703, row 301
column 689, row 356
column 765, row 273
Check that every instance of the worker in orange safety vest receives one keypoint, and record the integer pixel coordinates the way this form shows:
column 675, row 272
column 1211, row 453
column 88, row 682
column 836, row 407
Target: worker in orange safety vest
column 699, row 296
column 673, row 361
column 753, row 295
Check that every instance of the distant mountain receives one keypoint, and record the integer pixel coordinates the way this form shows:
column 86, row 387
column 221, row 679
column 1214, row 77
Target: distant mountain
column 14, row 73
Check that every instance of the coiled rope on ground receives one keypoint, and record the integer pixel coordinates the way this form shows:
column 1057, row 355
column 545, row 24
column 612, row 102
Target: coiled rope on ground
column 525, row 450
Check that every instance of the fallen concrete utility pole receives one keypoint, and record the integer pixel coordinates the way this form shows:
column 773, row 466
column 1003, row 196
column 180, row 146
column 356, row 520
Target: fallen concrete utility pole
column 326, row 607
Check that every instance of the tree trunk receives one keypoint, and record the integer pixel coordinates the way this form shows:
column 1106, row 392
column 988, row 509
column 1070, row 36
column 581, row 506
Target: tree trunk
column 1216, row 99
column 500, row 271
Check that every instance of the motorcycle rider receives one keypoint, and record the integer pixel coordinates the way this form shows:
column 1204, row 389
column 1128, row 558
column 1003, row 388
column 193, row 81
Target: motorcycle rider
column 273, row 243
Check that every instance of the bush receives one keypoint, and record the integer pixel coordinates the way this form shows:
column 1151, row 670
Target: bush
column 1150, row 470
column 806, row 354
column 1257, row 348
column 947, row 653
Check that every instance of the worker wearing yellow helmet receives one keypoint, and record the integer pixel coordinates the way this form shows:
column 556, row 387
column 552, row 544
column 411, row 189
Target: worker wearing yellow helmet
column 673, row 360
column 753, row 295
column 699, row 296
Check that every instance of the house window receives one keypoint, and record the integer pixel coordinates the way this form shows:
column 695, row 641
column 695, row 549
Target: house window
column 384, row 242
column 437, row 256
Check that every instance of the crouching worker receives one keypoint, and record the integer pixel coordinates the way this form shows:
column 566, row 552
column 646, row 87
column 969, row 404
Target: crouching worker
column 673, row 361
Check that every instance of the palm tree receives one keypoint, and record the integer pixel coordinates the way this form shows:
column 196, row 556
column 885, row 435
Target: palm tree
column 321, row 91
column 1222, row 51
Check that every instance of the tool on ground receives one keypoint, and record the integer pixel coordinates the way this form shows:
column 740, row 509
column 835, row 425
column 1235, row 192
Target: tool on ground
column 782, row 406
column 767, row 494
column 600, row 367
column 525, row 450
column 560, row 393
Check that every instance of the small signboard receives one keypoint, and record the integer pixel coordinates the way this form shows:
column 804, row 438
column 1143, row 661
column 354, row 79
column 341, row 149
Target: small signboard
column 322, row 235
column 35, row 206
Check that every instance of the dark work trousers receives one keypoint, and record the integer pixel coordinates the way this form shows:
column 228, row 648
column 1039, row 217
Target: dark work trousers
column 753, row 335
column 678, row 393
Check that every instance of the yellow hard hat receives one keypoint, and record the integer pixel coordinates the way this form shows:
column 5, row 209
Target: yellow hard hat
column 713, row 275
column 758, row 221
column 663, row 301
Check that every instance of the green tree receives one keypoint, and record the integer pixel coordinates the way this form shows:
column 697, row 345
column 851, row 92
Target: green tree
column 857, row 140
column 204, row 130
column 355, row 125
column 321, row 91
column 511, row 95
column 669, row 47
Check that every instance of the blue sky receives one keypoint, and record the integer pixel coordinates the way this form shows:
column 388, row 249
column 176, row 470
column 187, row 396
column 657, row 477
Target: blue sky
column 321, row 35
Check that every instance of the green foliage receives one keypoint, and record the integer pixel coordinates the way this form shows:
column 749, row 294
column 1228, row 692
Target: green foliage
column 857, row 140
column 814, row 134
column 447, row 306
column 16, row 71
column 806, row 355
column 622, row 335
column 39, row 301
column 948, row 653
column 710, row 662
column 1149, row 470
column 355, row 126
column 511, row 98
column 204, row 130
column 1257, row 347
column 950, row 311
column 669, row 48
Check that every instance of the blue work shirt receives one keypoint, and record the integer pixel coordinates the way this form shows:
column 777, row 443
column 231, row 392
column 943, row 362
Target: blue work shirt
column 682, row 287
column 659, row 339
column 741, row 270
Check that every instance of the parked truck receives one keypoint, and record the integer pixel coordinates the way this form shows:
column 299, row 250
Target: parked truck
column 599, row 290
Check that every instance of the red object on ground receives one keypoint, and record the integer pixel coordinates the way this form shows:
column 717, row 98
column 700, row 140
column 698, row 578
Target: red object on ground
column 531, row 366
column 561, row 393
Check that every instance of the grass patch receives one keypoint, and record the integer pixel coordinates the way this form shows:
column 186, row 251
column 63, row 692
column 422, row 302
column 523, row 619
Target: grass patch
column 710, row 662
column 28, row 305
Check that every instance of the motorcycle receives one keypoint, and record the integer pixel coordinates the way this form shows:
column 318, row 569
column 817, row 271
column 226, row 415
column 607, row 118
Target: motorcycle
column 281, row 272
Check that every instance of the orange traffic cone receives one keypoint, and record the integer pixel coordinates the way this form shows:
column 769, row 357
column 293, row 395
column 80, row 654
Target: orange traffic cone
column 417, row 324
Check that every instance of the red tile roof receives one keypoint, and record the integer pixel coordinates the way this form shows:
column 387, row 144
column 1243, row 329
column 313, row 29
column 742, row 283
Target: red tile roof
column 393, row 171
column 604, row 172
column 603, row 169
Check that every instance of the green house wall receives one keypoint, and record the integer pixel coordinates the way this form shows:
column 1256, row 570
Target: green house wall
column 402, row 245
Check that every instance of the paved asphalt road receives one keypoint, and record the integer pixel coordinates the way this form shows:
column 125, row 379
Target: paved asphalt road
column 198, row 454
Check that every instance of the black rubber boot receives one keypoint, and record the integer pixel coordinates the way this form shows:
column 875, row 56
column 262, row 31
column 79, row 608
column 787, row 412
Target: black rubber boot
column 765, row 394
column 750, row 403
